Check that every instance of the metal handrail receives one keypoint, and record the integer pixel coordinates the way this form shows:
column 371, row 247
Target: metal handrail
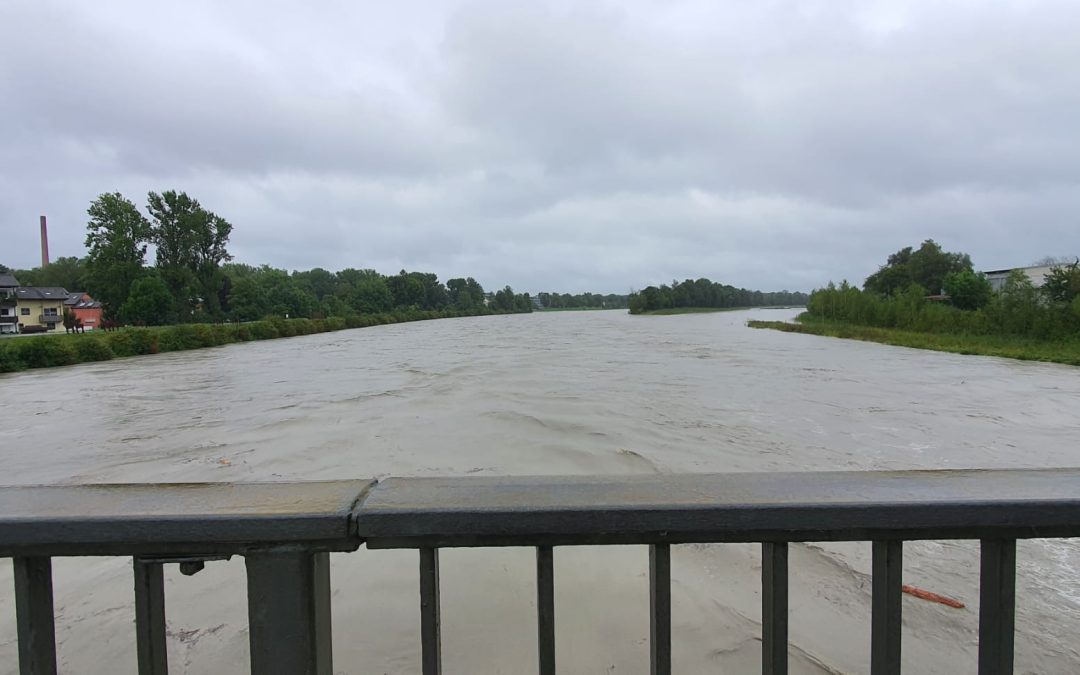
column 285, row 531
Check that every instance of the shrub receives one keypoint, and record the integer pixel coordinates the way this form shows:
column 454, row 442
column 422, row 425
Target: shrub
column 91, row 348
column 45, row 352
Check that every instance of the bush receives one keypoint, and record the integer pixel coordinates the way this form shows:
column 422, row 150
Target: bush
column 121, row 342
column 9, row 363
column 263, row 330
column 45, row 351
column 92, row 348
column 143, row 340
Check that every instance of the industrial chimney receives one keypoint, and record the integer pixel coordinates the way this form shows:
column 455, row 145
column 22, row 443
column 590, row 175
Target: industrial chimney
column 44, row 244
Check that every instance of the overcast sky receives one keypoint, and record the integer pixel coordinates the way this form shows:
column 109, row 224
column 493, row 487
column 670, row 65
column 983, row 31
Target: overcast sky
column 561, row 146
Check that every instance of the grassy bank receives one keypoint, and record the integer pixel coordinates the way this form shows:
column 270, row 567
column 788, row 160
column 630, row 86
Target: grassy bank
column 46, row 351
column 1025, row 349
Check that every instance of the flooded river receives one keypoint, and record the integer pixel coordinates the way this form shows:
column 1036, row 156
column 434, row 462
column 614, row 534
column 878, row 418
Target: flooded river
column 557, row 393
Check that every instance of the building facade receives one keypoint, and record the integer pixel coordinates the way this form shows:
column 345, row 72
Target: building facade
column 1037, row 274
column 9, row 311
column 85, row 309
column 40, row 308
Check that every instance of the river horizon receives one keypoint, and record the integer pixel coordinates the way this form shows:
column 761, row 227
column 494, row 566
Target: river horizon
column 559, row 393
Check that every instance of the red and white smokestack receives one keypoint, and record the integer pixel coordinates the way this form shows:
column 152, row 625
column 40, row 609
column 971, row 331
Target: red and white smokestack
column 44, row 244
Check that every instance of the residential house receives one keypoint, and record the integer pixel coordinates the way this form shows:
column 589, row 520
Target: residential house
column 9, row 319
column 40, row 308
column 85, row 309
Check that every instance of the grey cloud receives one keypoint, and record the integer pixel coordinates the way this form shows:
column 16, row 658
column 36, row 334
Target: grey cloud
column 555, row 146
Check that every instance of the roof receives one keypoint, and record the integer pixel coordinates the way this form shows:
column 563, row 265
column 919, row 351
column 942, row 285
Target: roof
column 41, row 293
column 81, row 300
column 8, row 281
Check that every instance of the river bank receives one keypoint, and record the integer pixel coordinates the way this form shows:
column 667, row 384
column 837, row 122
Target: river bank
column 48, row 351
column 1024, row 349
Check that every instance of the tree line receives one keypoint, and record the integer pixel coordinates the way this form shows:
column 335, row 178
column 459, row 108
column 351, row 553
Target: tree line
column 582, row 301
column 706, row 293
column 931, row 290
column 193, row 279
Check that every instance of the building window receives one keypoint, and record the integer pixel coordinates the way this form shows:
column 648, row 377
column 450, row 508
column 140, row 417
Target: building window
column 4, row 311
column 25, row 311
column 50, row 311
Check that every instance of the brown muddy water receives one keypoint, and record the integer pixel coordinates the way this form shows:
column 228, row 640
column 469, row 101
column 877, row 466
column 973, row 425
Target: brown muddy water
column 560, row 393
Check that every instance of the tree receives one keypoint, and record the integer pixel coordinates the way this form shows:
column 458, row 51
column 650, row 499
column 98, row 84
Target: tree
column 150, row 303
column 190, row 243
column 1062, row 284
column 968, row 289
column 116, row 238
column 927, row 267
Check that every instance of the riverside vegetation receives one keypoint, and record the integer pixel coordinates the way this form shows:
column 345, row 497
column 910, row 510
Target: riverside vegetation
column 193, row 295
column 702, row 294
column 964, row 315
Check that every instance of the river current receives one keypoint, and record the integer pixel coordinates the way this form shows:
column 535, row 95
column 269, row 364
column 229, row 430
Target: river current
column 552, row 393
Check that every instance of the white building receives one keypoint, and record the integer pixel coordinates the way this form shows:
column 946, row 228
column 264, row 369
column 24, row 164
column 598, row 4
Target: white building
column 9, row 320
column 1037, row 274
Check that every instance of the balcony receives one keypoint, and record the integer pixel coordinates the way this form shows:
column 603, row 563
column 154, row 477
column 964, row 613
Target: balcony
column 9, row 319
column 285, row 532
column 50, row 318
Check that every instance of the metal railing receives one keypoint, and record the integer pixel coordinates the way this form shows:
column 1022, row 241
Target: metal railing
column 285, row 532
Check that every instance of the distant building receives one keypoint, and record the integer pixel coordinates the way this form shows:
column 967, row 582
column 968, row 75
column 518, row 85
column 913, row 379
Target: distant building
column 85, row 309
column 1037, row 274
column 9, row 313
column 40, row 308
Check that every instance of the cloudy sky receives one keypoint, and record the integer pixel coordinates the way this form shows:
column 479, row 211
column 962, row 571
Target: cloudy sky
column 555, row 145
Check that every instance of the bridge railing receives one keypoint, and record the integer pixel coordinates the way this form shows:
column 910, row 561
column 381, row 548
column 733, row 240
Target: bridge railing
column 285, row 532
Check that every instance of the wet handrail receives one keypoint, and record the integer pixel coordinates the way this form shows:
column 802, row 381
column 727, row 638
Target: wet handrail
column 286, row 530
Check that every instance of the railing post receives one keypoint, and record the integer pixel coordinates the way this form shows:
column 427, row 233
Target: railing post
column 34, row 616
column 289, row 613
column 430, row 620
column 545, row 608
column 997, row 606
column 885, row 623
column 774, row 608
column 150, row 617
column 660, row 609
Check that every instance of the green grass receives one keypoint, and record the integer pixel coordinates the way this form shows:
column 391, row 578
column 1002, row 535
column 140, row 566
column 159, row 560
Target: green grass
column 50, row 349
column 1024, row 349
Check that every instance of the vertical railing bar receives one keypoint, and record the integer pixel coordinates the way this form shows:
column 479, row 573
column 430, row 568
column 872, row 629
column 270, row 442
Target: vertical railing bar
column 545, row 608
column 150, row 617
column 430, row 613
column 774, row 608
column 289, row 613
column 997, row 606
column 660, row 609
column 885, row 623
column 34, row 615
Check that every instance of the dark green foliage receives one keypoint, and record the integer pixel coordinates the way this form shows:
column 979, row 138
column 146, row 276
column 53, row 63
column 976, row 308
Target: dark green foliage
column 43, row 351
column 583, row 301
column 92, row 348
column 1062, row 284
column 65, row 272
column 190, row 243
column 705, row 293
column 116, row 239
column 1018, row 310
column 967, row 289
column 927, row 267
column 149, row 303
